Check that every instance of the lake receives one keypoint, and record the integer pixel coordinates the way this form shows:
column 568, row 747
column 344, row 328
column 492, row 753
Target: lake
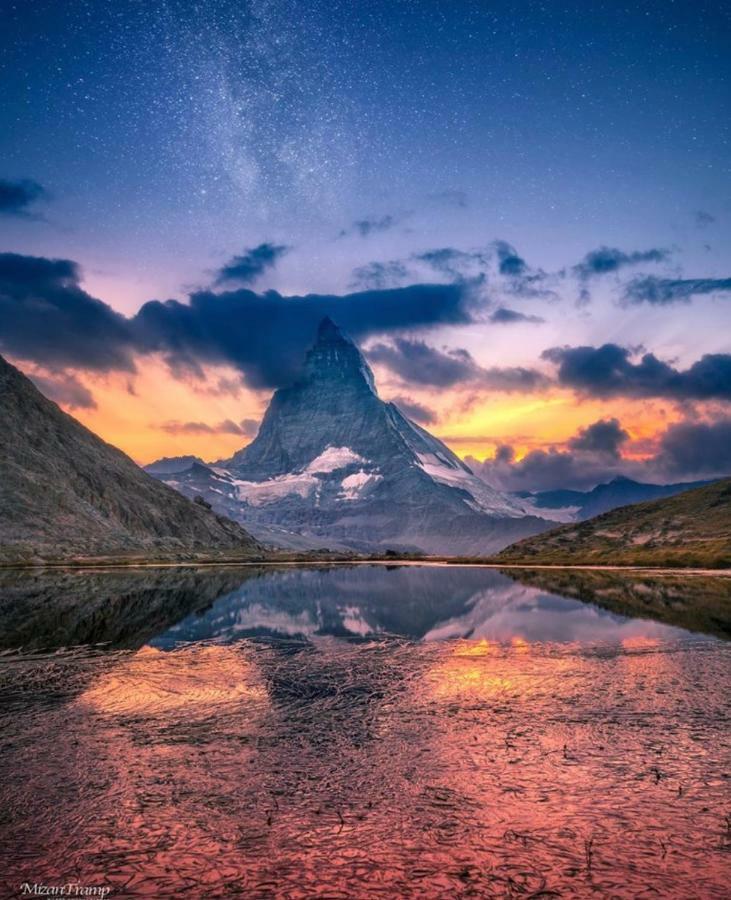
column 366, row 731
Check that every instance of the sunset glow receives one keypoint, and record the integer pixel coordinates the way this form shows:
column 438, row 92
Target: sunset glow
column 153, row 414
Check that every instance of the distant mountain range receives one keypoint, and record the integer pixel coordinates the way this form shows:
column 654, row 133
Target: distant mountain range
column 335, row 466
column 170, row 465
column 692, row 528
column 64, row 493
column 620, row 491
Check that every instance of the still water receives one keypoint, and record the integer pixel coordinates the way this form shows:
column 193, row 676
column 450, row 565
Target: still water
column 365, row 731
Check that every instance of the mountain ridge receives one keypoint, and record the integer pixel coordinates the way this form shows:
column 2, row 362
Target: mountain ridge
column 605, row 496
column 65, row 493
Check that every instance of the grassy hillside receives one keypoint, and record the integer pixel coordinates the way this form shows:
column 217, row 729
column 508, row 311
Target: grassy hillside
column 689, row 529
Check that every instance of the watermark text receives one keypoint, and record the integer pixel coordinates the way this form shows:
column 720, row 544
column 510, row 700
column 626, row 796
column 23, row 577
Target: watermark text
column 69, row 889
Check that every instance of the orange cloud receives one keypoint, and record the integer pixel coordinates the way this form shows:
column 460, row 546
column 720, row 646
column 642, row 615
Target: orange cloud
column 136, row 413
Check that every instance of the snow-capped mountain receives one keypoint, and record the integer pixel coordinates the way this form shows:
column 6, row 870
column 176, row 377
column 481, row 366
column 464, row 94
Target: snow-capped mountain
column 335, row 466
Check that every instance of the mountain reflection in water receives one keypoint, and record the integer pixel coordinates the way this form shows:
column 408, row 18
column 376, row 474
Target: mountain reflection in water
column 126, row 608
column 425, row 602
column 363, row 731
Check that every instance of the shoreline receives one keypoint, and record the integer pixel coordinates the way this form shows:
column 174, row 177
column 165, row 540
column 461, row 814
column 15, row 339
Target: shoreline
column 102, row 565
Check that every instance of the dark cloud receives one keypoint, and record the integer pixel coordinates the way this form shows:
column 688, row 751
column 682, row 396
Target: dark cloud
column 608, row 371
column 414, row 410
column 452, row 262
column 504, row 316
column 509, row 262
column 46, row 317
column 380, row 275
column 504, row 453
column 246, row 268
column 687, row 451
column 371, row 225
column 512, row 378
column 265, row 336
column 65, row 389
column 16, row 197
column 533, row 286
column 606, row 260
column 546, row 470
column 226, row 426
column 418, row 363
column 519, row 279
column 696, row 449
column 664, row 291
column 457, row 265
column 592, row 455
column 703, row 219
column 605, row 436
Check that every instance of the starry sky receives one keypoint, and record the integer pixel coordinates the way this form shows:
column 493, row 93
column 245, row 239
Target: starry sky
column 521, row 211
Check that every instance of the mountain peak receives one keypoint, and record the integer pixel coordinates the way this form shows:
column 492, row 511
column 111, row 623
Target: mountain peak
column 329, row 333
column 622, row 479
column 334, row 465
column 336, row 359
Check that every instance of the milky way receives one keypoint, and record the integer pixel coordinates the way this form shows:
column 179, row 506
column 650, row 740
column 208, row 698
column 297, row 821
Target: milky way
column 566, row 165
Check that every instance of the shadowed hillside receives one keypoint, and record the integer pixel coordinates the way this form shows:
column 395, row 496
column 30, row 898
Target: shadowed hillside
column 65, row 493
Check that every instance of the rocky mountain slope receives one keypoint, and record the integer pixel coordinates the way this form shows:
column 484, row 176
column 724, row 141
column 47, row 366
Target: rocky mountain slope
column 334, row 465
column 65, row 493
column 689, row 529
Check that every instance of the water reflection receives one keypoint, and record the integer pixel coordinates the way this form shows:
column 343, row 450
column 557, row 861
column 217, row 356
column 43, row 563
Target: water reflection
column 116, row 607
column 128, row 608
column 424, row 603
column 363, row 769
column 696, row 602
column 362, row 731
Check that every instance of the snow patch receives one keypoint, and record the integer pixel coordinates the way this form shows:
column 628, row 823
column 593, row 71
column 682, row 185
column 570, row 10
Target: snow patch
column 353, row 486
column 562, row 514
column 303, row 484
column 484, row 498
column 333, row 458
column 259, row 493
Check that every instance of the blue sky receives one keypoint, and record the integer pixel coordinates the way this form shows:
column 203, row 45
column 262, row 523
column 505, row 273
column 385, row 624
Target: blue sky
column 162, row 127
column 153, row 143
